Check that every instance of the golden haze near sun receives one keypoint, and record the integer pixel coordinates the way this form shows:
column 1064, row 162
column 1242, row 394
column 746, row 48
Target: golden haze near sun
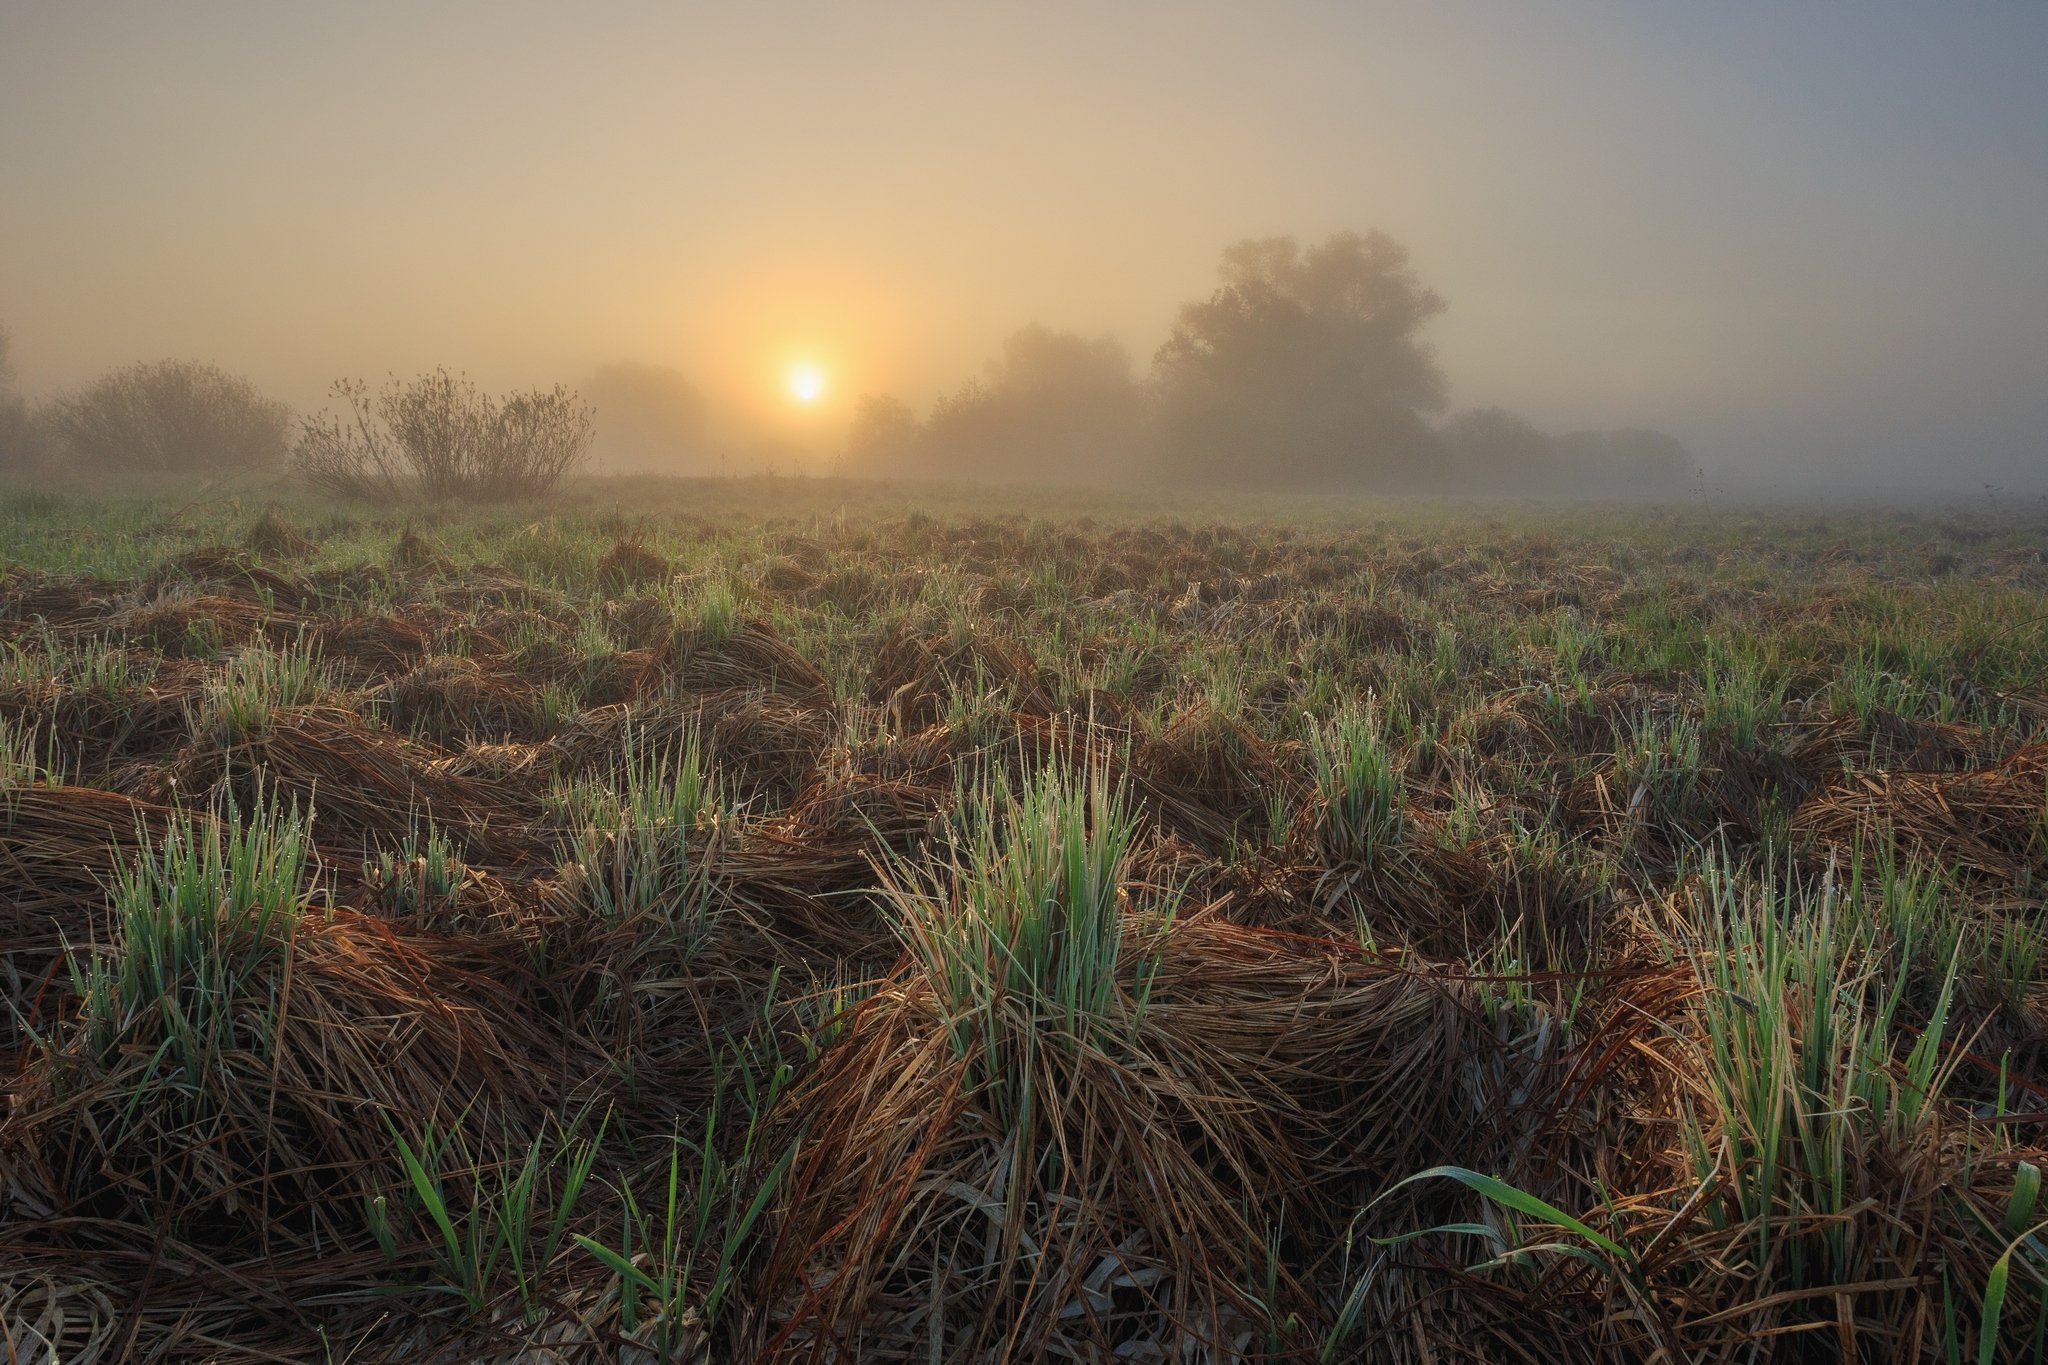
column 806, row 383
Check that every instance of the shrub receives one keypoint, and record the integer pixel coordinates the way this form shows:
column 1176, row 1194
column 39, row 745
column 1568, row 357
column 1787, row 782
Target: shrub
column 173, row 416
column 440, row 437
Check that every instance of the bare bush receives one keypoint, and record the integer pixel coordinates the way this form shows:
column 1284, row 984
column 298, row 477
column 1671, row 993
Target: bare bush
column 440, row 437
column 170, row 416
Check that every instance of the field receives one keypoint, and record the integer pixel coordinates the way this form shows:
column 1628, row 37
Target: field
column 806, row 922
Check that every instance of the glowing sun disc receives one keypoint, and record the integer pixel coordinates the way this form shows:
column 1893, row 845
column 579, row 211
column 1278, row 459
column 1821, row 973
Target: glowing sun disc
column 806, row 383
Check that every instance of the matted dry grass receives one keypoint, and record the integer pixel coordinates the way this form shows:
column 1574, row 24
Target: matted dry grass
column 1507, row 947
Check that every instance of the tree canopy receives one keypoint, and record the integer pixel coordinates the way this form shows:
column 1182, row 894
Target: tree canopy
column 1495, row 450
column 1051, row 407
column 649, row 417
column 1305, row 368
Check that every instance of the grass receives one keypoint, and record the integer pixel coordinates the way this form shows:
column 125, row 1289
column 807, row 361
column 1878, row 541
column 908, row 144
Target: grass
column 1023, row 930
column 1002, row 927
column 641, row 839
column 197, row 921
column 510, row 1220
column 23, row 762
column 1801, row 1032
column 680, row 1256
column 257, row 682
column 424, row 872
column 1359, row 781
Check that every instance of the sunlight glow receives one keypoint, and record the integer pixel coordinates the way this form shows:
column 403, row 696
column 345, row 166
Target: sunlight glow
column 806, row 383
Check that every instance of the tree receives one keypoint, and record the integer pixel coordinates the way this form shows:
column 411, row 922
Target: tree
column 882, row 437
column 440, row 437
column 1053, row 407
column 1496, row 450
column 1304, row 369
column 173, row 416
column 649, row 417
column 1493, row 450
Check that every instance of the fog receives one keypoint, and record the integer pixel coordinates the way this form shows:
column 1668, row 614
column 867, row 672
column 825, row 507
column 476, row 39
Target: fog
column 1806, row 249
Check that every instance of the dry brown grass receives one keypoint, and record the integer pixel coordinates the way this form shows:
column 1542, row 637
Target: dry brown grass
column 1515, row 973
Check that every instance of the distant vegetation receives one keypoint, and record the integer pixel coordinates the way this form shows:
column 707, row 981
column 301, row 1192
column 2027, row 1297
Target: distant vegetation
column 649, row 418
column 164, row 417
column 1305, row 370
column 1052, row 407
column 437, row 437
column 440, row 437
column 1492, row 447
column 160, row 417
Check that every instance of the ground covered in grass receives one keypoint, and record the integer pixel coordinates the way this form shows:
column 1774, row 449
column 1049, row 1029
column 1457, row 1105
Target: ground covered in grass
column 780, row 924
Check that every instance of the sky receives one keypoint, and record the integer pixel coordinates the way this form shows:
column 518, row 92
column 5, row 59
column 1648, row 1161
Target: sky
column 1809, row 239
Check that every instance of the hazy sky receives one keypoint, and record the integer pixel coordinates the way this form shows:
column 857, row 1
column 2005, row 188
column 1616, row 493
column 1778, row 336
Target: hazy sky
column 1802, row 237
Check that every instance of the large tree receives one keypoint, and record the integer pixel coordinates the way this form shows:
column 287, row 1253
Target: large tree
column 1051, row 407
column 1305, row 369
column 649, row 419
column 1055, row 407
column 881, row 438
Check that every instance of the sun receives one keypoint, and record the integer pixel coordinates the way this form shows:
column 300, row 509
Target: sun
column 806, row 383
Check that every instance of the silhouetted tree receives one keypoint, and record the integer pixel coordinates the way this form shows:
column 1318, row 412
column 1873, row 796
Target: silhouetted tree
column 1054, row 407
column 648, row 417
column 882, row 437
column 1304, row 369
column 169, row 417
column 1494, row 450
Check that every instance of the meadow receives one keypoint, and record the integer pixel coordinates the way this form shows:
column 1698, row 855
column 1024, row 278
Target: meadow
column 807, row 921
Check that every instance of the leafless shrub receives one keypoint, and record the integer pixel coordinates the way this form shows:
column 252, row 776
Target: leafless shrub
column 170, row 416
column 356, row 458
column 440, row 437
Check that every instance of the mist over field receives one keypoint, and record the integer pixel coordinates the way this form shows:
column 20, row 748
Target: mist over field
column 824, row 684
column 1355, row 248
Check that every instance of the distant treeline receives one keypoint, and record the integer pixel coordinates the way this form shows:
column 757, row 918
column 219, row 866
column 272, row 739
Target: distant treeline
column 434, row 435
column 1304, row 370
